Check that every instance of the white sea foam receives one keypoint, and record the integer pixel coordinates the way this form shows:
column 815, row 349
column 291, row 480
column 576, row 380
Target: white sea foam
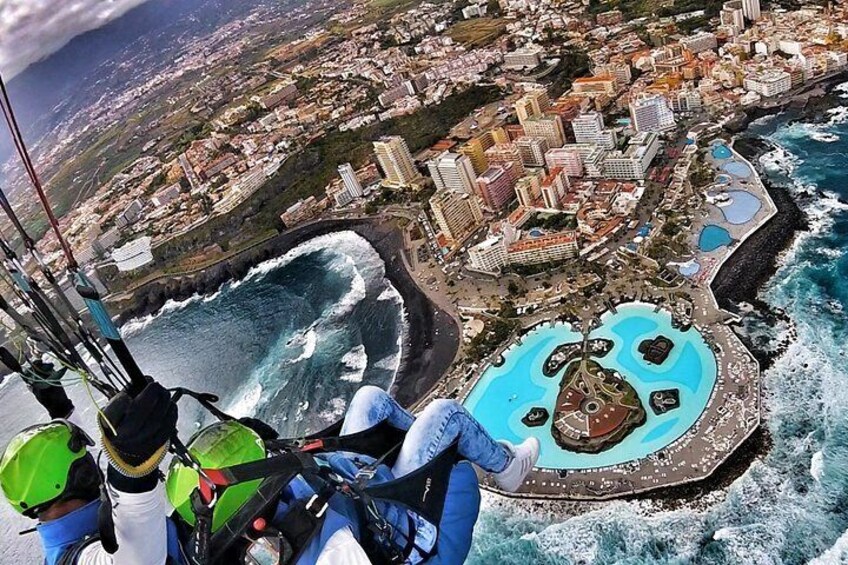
column 357, row 293
column 837, row 554
column 388, row 363
column 390, row 293
column 817, row 465
column 135, row 325
column 309, row 341
column 338, row 242
column 247, row 402
column 824, row 137
column 780, row 160
column 355, row 361
column 838, row 115
column 842, row 89
column 334, row 411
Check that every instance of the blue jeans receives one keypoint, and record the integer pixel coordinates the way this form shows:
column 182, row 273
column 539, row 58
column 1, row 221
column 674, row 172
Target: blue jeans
column 436, row 428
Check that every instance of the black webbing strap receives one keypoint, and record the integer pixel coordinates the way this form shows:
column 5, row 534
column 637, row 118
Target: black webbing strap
column 374, row 442
column 288, row 464
column 304, row 519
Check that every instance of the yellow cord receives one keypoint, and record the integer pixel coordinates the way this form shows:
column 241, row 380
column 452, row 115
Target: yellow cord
column 100, row 413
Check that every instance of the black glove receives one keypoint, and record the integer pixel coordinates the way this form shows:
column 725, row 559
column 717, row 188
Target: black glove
column 44, row 382
column 136, row 435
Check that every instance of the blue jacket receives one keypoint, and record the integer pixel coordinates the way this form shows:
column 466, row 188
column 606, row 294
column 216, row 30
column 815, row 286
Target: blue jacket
column 462, row 506
column 58, row 536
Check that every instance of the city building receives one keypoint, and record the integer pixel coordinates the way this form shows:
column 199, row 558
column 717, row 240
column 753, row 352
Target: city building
column 133, row 255
column 732, row 16
column 593, row 161
column 532, row 105
column 452, row 171
column 528, row 189
column 503, row 153
column 166, row 195
column 496, row 186
column 610, row 18
column 650, row 112
column 567, row 159
column 532, row 150
column 619, row 70
column 632, row 163
column 301, row 211
column 769, row 83
column 554, row 187
column 131, row 214
column 593, row 86
column 339, row 193
column 751, row 9
column 699, row 42
column 589, row 128
column 278, row 95
column 527, row 57
column 548, row 128
column 458, row 214
column 488, row 256
column 351, row 182
column 476, row 148
column 545, row 249
column 396, row 162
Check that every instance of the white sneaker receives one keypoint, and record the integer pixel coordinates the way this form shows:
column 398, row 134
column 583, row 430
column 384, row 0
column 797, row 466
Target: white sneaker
column 524, row 457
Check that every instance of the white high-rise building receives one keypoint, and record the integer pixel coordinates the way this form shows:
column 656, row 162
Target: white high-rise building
column 634, row 162
column 452, row 171
column 733, row 15
column 751, row 9
column 396, row 161
column 589, row 128
column 351, row 183
column 651, row 112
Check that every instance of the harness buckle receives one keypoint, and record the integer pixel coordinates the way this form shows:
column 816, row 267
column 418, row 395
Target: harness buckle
column 365, row 474
column 311, row 503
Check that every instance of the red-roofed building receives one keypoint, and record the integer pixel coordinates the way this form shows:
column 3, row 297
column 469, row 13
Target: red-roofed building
column 545, row 249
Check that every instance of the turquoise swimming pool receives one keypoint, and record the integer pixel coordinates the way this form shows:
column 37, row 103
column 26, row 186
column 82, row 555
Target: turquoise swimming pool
column 742, row 209
column 738, row 169
column 721, row 151
column 712, row 237
column 504, row 394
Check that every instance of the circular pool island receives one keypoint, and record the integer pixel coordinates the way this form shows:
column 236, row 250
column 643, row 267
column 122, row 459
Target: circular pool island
column 504, row 395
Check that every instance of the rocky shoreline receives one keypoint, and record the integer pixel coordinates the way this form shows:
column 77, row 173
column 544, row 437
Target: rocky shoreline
column 756, row 260
column 432, row 337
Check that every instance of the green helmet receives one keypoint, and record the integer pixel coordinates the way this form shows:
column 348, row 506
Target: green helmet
column 220, row 445
column 46, row 463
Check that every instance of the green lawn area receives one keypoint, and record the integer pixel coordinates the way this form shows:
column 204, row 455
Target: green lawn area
column 477, row 32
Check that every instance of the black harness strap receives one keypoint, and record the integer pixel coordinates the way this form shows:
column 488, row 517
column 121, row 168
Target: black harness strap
column 375, row 442
column 288, row 464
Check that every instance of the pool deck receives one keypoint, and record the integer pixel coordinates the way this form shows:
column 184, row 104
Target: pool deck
column 733, row 411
